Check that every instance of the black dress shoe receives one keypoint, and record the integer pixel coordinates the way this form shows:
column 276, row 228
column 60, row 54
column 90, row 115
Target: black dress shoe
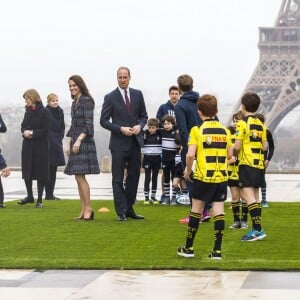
column 39, row 204
column 122, row 218
column 135, row 216
column 51, row 198
column 25, row 201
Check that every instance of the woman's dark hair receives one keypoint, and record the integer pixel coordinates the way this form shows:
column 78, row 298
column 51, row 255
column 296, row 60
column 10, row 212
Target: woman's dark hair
column 82, row 86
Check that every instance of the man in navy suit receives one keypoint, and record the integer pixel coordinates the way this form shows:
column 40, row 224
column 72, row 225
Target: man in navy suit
column 124, row 114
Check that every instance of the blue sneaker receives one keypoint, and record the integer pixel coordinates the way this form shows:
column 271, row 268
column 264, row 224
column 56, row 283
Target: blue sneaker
column 264, row 204
column 254, row 235
column 162, row 198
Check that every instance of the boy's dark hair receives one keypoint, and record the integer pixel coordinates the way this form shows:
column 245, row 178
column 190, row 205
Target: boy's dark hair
column 185, row 83
column 168, row 118
column 237, row 116
column 251, row 102
column 208, row 105
column 153, row 122
column 261, row 117
column 174, row 88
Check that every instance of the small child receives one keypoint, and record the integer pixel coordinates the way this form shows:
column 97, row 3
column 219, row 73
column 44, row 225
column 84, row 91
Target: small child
column 268, row 155
column 250, row 145
column 239, row 218
column 152, row 159
column 170, row 144
column 211, row 144
column 178, row 182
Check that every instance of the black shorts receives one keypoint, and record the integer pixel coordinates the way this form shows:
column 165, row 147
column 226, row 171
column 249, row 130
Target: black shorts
column 233, row 183
column 178, row 173
column 151, row 162
column 251, row 177
column 209, row 192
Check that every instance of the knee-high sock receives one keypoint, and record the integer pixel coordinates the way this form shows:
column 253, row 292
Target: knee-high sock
column 192, row 229
column 219, row 227
column 255, row 213
column 244, row 212
column 263, row 194
column 236, row 211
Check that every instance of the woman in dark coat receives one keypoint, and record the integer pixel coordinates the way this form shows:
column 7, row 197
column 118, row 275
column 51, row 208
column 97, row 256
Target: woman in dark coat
column 57, row 133
column 35, row 129
column 81, row 148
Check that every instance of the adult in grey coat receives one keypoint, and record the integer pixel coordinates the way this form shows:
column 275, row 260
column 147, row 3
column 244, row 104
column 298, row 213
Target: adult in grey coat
column 35, row 129
column 124, row 115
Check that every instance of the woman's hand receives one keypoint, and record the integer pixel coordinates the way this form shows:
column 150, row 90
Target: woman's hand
column 76, row 146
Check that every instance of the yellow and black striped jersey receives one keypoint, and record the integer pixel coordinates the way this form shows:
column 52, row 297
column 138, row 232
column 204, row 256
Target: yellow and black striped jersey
column 253, row 133
column 212, row 140
column 233, row 168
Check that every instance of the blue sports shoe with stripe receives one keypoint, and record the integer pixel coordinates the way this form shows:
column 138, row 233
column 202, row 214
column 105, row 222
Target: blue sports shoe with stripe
column 254, row 235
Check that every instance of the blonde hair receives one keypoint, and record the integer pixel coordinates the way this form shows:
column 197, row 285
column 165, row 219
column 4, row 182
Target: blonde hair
column 33, row 95
column 51, row 97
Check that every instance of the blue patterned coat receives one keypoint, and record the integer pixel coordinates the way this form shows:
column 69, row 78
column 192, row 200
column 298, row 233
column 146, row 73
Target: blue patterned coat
column 84, row 162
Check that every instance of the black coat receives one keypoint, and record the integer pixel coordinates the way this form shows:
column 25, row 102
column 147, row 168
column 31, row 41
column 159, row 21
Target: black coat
column 57, row 133
column 35, row 150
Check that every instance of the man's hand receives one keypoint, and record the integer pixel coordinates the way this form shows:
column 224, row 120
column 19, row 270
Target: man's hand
column 128, row 131
column 136, row 129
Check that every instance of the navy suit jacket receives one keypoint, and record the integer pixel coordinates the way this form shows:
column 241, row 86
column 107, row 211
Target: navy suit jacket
column 114, row 115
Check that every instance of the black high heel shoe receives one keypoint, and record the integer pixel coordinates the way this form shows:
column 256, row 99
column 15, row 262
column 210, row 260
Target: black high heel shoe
column 79, row 218
column 90, row 218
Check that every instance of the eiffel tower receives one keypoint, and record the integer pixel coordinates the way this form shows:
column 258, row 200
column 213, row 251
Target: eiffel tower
column 276, row 79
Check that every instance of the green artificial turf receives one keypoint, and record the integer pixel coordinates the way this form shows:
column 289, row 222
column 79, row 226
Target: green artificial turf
column 49, row 238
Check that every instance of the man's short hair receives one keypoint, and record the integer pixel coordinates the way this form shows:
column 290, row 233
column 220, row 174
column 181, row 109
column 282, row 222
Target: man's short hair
column 185, row 82
column 174, row 88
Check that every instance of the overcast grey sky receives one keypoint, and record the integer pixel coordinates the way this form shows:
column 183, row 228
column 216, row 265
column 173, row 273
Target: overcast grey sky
column 43, row 42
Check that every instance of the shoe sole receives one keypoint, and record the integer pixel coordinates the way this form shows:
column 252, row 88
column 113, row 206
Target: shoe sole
column 185, row 254
column 215, row 258
column 259, row 238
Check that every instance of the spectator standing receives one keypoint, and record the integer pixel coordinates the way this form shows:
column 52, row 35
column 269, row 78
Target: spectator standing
column 81, row 148
column 57, row 132
column 152, row 159
column 124, row 115
column 167, row 108
column 268, row 156
column 170, row 146
column 35, row 129
column 186, row 113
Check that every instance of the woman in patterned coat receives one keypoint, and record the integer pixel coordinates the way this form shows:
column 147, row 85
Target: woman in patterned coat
column 81, row 148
